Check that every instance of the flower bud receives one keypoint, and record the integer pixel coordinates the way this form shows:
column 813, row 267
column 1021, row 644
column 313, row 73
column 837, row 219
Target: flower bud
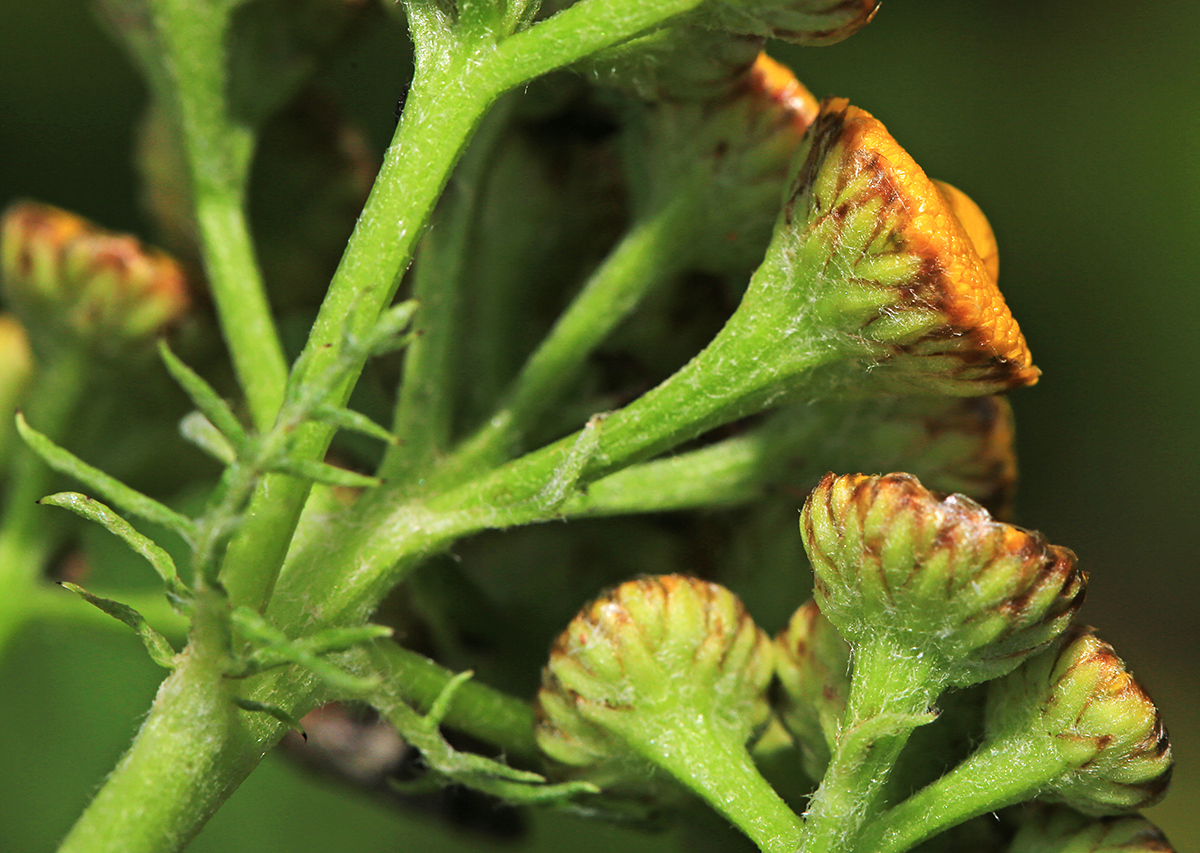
column 649, row 649
column 16, row 368
column 730, row 154
column 69, row 280
column 813, row 666
column 1057, row 829
column 906, row 278
column 809, row 22
column 953, row 444
column 1098, row 719
column 939, row 576
column 667, row 673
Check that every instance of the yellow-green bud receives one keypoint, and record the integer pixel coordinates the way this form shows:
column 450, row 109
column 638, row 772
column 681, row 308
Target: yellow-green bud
column 1099, row 720
column 813, row 666
column 16, row 368
column 650, row 648
column 74, row 283
column 667, row 673
column 974, row 597
column 1057, row 829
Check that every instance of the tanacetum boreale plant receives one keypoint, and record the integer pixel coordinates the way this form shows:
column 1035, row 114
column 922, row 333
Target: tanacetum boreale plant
column 617, row 262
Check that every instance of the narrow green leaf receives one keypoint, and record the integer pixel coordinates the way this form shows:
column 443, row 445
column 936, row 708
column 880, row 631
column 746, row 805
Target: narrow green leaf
column 271, row 711
column 321, row 472
column 199, row 431
column 93, row 510
column 207, row 400
column 340, row 639
column 437, row 711
column 274, row 648
column 125, row 498
column 387, row 335
column 353, row 421
column 156, row 644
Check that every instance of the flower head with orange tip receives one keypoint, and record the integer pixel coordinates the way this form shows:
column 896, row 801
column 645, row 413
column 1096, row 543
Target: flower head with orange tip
column 73, row 282
column 910, row 263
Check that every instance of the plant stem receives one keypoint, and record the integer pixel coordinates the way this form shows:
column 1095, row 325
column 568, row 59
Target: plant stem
column 476, row 709
column 647, row 255
column 27, row 536
column 189, row 755
column 1000, row 774
column 219, row 151
column 577, row 31
column 891, row 692
column 725, row 777
column 424, row 410
column 443, row 107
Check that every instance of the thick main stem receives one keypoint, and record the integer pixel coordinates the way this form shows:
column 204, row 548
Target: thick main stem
column 192, row 751
column 440, row 115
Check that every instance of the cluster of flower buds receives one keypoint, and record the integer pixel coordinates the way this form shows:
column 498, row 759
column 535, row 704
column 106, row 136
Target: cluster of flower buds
column 74, row 284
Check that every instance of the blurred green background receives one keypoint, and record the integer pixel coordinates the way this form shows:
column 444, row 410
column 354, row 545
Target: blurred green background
column 1075, row 126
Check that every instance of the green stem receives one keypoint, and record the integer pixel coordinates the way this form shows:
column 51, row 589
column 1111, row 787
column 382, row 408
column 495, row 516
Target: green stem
column 577, row 31
column 648, row 255
column 476, row 709
column 891, row 693
column 443, row 108
column 189, row 755
column 27, row 536
column 219, row 151
column 724, row 776
column 1000, row 774
column 424, row 410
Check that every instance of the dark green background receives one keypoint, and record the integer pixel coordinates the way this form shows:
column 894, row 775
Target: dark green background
column 1076, row 126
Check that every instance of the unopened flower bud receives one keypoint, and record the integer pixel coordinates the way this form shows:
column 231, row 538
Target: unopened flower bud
column 16, row 368
column 973, row 596
column 911, row 286
column 729, row 155
column 1057, row 829
column 650, row 647
column 809, row 22
column 666, row 672
column 813, row 666
column 1101, row 724
column 71, row 281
